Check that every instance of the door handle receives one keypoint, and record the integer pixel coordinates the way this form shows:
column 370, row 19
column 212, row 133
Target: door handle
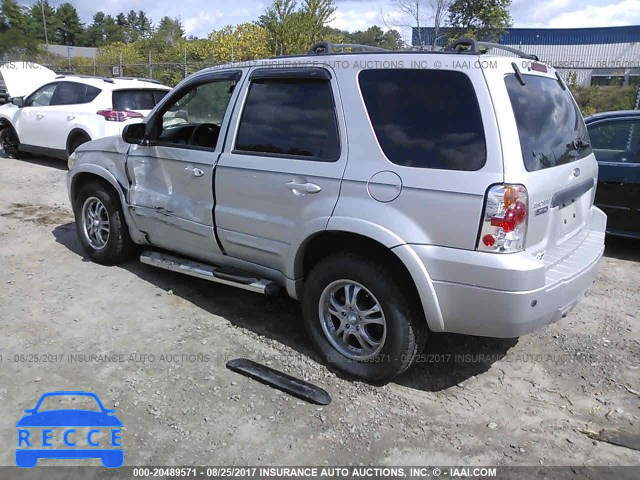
column 70, row 117
column 196, row 172
column 300, row 188
column 40, row 115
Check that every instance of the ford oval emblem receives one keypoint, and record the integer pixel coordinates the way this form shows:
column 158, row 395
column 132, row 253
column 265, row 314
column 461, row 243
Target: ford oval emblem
column 576, row 172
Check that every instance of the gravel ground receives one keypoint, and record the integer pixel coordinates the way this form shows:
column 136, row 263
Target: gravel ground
column 469, row 400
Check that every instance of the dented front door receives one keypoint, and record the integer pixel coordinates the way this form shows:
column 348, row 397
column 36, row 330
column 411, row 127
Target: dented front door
column 171, row 180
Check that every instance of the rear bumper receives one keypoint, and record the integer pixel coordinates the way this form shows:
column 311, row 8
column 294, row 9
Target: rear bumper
column 510, row 295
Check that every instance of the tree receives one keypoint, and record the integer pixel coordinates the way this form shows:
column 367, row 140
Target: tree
column 96, row 32
column 16, row 32
column 144, row 26
column 69, row 29
column 292, row 28
column 374, row 36
column 316, row 14
column 482, row 19
column 37, row 22
column 131, row 28
column 243, row 42
column 169, row 31
column 423, row 13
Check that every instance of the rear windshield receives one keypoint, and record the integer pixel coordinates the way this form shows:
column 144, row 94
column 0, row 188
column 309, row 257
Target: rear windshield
column 425, row 118
column 550, row 126
column 137, row 99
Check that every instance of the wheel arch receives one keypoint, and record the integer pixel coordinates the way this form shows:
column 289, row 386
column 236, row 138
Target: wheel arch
column 93, row 173
column 398, row 256
column 75, row 133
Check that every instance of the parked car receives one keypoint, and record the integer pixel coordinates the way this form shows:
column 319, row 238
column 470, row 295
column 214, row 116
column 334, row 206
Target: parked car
column 391, row 199
column 615, row 139
column 69, row 110
column 4, row 95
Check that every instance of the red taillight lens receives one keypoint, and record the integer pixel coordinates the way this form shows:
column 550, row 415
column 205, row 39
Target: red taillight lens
column 118, row 115
column 504, row 222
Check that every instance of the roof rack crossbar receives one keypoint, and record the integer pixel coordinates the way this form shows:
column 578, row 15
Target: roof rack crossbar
column 328, row 47
column 470, row 45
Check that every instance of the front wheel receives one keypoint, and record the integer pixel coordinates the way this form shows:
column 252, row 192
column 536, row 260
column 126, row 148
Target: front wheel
column 10, row 142
column 100, row 224
column 361, row 318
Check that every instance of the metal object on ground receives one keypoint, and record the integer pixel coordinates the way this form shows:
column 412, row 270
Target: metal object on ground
column 281, row 381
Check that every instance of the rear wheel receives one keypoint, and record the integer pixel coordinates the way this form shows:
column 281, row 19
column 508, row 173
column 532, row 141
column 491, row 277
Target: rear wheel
column 9, row 142
column 100, row 224
column 361, row 319
column 76, row 141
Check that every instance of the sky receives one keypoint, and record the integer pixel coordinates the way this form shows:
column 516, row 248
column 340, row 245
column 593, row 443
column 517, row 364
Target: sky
column 200, row 17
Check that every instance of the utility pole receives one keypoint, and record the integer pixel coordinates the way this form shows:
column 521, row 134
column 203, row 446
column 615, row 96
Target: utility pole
column 44, row 24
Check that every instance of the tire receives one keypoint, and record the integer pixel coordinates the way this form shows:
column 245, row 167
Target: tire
column 75, row 142
column 9, row 142
column 108, row 241
column 398, row 331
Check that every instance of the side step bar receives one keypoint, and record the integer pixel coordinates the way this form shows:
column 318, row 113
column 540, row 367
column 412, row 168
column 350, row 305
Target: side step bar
column 209, row 272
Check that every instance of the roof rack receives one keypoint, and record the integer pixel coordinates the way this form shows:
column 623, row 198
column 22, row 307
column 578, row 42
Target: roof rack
column 329, row 48
column 104, row 79
column 470, row 45
column 150, row 80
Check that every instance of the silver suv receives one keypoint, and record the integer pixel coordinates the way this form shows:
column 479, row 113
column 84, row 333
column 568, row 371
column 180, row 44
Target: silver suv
column 392, row 193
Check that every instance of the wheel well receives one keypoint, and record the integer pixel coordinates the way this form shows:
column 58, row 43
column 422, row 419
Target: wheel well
column 76, row 133
column 84, row 178
column 4, row 123
column 327, row 243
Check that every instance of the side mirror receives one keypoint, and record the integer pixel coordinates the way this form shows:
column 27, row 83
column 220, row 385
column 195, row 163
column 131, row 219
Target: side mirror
column 135, row 133
column 18, row 101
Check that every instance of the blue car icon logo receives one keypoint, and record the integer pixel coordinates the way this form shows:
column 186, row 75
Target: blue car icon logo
column 40, row 428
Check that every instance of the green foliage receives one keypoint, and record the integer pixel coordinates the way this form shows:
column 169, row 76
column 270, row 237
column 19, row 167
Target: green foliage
column 293, row 28
column 604, row 98
column 374, row 36
column 16, row 30
column 169, row 31
column 481, row 19
column 68, row 28
column 243, row 42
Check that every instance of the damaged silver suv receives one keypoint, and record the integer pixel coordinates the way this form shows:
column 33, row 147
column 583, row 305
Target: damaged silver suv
column 392, row 193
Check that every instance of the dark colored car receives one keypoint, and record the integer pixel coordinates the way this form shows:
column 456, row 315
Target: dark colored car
column 4, row 96
column 615, row 139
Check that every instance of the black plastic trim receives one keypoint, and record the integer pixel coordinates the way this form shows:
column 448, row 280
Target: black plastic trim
column 313, row 73
column 567, row 196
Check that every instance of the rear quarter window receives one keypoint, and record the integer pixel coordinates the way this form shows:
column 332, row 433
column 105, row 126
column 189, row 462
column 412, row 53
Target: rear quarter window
column 137, row 99
column 425, row 118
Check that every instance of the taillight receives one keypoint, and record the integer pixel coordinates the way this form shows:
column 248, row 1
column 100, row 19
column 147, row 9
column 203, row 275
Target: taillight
column 539, row 67
column 118, row 115
column 504, row 221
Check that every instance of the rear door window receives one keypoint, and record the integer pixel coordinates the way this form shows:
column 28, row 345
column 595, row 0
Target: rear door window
column 293, row 117
column 550, row 126
column 137, row 99
column 616, row 141
column 425, row 118
column 71, row 93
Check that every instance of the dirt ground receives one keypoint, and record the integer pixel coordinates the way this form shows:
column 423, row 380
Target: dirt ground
column 469, row 401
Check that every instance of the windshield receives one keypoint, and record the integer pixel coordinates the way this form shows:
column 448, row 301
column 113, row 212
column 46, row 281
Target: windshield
column 66, row 402
column 550, row 126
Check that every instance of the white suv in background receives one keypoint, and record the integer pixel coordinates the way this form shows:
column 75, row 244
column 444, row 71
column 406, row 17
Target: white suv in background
column 70, row 110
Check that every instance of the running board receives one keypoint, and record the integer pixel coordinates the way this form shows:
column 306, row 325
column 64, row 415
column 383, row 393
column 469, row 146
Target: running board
column 209, row 272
